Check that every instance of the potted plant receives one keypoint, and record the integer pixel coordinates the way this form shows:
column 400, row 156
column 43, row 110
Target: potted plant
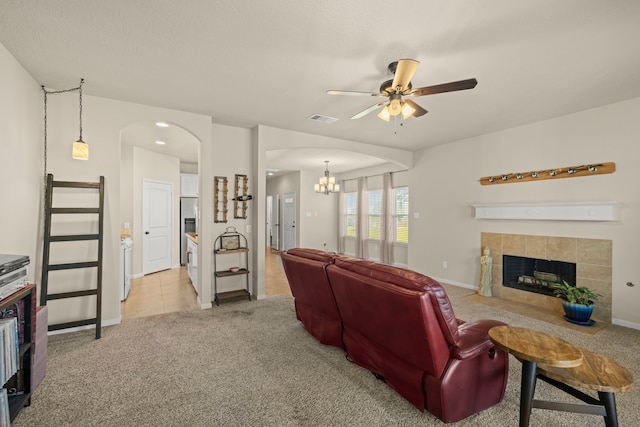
column 577, row 302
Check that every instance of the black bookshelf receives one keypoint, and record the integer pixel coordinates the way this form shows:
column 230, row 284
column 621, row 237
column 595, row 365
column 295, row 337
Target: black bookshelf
column 21, row 303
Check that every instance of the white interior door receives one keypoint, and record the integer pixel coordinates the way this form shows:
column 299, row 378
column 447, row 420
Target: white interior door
column 157, row 202
column 289, row 221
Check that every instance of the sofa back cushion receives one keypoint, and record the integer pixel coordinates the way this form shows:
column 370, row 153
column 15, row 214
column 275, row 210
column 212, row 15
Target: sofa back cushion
column 385, row 314
column 313, row 254
column 410, row 280
column 314, row 301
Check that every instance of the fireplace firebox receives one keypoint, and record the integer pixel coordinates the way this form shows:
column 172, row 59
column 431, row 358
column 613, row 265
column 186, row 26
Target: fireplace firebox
column 536, row 275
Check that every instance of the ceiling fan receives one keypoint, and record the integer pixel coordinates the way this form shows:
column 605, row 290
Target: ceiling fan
column 400, row 86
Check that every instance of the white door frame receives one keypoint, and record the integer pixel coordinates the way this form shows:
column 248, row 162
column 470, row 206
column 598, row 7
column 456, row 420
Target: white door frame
column 289, row 221
column 159, row 233
column 275, row 221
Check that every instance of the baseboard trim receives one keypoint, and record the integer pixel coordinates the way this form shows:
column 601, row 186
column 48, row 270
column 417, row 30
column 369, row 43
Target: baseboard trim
column 458, row 284
column 626, row 323
column 108, row 322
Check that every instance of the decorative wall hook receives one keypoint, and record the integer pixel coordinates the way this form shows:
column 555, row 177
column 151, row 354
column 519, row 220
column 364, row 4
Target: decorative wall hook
column 567, row 172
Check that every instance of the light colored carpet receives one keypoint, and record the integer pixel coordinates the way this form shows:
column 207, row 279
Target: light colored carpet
column 253, row 364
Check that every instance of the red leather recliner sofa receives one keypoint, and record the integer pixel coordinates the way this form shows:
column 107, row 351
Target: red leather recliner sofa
column 400, row 325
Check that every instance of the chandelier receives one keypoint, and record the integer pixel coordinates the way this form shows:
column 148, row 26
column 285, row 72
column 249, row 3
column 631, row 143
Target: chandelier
column 327, row 183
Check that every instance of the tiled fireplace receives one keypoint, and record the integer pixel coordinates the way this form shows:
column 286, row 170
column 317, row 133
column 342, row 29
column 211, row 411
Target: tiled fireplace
column 592, row 259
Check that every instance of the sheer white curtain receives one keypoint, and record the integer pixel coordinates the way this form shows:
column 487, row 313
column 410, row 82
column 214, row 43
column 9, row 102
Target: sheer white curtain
column 362, row 251
column 341, row 217
column 386, row 220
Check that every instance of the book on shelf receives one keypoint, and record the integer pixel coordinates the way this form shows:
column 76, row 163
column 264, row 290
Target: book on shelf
column 9, row 348
column 5, row 417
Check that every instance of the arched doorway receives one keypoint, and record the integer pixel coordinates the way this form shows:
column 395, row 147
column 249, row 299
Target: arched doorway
column 165, row 153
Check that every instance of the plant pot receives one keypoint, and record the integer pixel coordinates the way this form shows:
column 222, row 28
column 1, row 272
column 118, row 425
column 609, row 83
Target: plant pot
column 579, row 313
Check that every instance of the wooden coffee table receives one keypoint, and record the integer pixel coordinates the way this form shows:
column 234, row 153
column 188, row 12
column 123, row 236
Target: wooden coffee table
column 533, row 347
column 563, row 365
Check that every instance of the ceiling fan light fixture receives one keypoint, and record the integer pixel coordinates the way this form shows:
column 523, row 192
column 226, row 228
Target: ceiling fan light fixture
column 384, row 114
column 403, row 71
column 407, row 110
column 395, row 105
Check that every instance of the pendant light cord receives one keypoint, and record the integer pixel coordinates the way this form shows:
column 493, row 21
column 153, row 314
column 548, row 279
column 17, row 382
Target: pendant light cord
column 54, row 92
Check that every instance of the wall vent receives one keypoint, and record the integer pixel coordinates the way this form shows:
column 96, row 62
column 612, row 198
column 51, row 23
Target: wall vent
column 322, row 119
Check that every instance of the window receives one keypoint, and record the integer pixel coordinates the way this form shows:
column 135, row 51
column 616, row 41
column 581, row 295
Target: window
column 374, row 212
column 401, row 214
column 350, row 214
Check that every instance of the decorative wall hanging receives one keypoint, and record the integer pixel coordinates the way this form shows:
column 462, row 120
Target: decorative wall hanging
column 241, row 197
column 220, row 199
column 568, row 172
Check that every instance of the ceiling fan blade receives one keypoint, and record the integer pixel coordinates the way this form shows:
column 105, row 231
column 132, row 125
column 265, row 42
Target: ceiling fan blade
column 445, row 87
column 368, row 110
column 419, row 110
column 352, row 92
column 404, row 72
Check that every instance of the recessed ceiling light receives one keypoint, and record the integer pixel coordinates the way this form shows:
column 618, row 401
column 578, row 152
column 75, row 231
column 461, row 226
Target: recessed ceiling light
column 160, row 142
column 162, row 124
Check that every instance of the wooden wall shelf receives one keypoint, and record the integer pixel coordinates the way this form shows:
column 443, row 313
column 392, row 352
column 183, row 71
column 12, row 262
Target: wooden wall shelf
column 567, row 211
column 539, row 175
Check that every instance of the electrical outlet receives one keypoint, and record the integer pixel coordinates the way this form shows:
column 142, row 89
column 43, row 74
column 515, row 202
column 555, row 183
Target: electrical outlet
column 444, row 264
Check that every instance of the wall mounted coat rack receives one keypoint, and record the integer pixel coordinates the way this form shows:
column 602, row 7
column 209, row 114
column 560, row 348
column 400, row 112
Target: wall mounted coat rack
column 220, row 199
column 567, row 172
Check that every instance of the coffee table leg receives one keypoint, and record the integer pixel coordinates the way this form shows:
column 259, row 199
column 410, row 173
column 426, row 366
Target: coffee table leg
column 609, row 402
column 527, row 389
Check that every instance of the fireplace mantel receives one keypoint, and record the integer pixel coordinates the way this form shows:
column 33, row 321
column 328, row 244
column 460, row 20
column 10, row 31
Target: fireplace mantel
column 563, row 211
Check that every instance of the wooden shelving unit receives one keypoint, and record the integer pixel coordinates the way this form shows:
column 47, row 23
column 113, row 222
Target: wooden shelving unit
column 229, row 243
column 19, row 386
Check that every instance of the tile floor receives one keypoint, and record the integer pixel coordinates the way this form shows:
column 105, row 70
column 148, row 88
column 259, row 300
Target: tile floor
column 171, row 290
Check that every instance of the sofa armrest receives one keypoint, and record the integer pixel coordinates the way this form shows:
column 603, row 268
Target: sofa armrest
column 474, row 338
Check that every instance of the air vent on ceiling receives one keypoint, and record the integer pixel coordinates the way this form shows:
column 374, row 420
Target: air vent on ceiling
column 322, row 119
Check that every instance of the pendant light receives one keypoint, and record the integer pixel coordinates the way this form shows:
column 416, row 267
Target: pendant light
column 80, row 149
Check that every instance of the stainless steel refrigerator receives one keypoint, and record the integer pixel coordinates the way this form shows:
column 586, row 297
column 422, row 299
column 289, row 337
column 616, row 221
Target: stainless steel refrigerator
column 188, row 223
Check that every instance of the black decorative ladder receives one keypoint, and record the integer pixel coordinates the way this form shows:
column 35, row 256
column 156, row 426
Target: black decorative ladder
column 48, row 239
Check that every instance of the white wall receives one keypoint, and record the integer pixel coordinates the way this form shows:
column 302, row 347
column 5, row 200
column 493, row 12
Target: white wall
column 318, row 216
column 230, row 154
column 444, row 184
column 21, row 163
column 126, row 186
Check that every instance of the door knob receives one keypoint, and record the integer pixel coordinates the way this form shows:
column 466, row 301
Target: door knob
column 146, row 232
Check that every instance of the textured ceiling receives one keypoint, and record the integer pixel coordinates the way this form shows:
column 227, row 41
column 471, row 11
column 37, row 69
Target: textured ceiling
column 256, row 62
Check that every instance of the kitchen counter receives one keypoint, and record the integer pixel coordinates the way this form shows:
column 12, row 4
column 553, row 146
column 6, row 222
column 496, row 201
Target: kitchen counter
column 193, row 237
